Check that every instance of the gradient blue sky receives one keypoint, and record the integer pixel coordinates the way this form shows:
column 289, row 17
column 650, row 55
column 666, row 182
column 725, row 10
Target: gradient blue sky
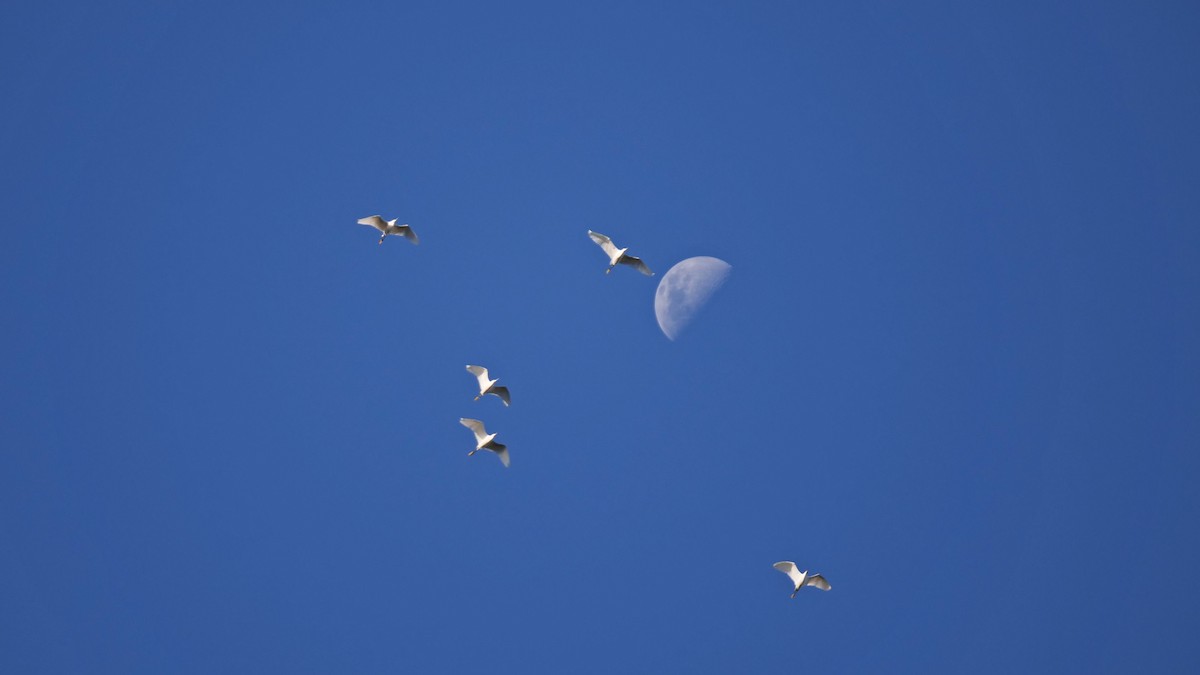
column 955, row 369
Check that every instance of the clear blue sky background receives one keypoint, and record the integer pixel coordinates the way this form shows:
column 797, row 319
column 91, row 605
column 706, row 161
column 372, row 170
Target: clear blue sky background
column 955, row 369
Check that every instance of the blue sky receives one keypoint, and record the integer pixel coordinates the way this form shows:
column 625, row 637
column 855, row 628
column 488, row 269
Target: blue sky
column 955, row 367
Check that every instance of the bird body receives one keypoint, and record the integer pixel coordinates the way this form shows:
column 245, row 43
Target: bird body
column 801, row 579
column 484, row 440
column 618, row 256
column 387, row 227
column 488, row 385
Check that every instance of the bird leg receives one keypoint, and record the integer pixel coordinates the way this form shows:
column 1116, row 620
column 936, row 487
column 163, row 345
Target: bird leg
column 382, row 238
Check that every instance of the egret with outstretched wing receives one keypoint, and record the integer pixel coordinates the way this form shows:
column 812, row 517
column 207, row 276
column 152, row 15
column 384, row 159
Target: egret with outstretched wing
column 484, row 440
column 617, row 256
column 387, row 227
column 801, row 579
column 487, row 385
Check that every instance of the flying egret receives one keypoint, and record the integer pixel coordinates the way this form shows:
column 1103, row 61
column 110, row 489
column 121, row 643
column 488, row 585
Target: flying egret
column 488, row 386
column 387, row 227
column 617, row 256
column 801, row 579
column 483, row 440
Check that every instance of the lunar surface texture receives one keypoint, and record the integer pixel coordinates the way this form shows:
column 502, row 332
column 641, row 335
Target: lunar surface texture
column 685, row 289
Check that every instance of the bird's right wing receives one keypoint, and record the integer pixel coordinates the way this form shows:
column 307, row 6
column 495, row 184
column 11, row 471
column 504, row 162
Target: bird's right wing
column 637, row 264
column 501, row 392
column 789, row 568
column 375, row 222
column 817, row 581
column 407, row 232
column 474, row 425
column 501, row 452
column 604, row 242
column 480, row 374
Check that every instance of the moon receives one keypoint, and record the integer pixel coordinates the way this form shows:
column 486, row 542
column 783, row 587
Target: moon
column 685, row 289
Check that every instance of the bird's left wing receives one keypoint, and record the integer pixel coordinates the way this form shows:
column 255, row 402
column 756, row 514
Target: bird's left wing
column 604, row 242
column 374, row 221
column 480, row 374
column 789, row 568
column 817, row 581
column 501, row 392
column 637, row 264
column 474, row 425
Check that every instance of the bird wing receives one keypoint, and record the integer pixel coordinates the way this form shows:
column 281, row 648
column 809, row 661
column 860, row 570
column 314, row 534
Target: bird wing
column 604, row 242
column 480, row 374
column 789, row 568
column 406, row 232
column 817, row 581
column 501, row 452
column 502, row 393
column 636, row 263
column 375, row 222
column 474, row 425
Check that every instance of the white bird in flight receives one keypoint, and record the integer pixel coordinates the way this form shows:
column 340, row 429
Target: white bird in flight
column 488, row 386
column 483, row 440
column 617, row 256
column 387, row 227
column 801, row 579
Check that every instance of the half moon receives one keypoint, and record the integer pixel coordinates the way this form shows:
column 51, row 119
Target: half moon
column 685, row 289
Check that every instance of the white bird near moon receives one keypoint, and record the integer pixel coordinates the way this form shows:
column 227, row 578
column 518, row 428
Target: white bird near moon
column 484, row 440
column 685, row 289
column 487, row 385
column 387, row 227
column 617, row 256
column 801, row 579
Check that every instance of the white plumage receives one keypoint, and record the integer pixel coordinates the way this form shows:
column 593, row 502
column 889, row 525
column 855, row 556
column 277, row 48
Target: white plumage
column 387, row 227
column 801, row 579
column 484, row 440
column 617, row 256
column 488, row 386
